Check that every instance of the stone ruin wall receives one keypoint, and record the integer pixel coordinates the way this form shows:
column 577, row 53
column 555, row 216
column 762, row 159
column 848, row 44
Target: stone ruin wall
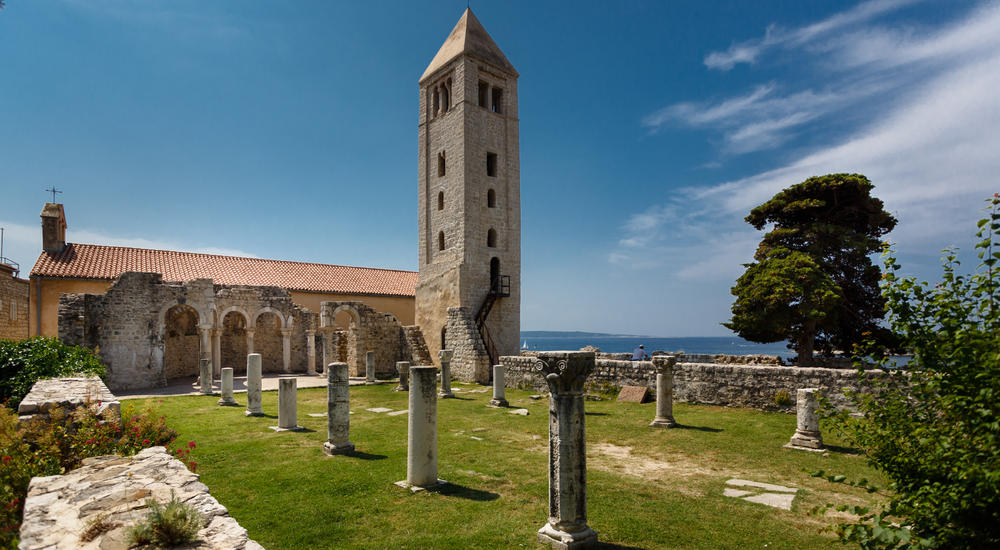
column 370, row 331
column 13, row 305
column 730, row 385
column 470, row 363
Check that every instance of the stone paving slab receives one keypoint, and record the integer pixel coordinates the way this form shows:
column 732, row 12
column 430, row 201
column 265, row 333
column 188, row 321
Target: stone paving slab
column 397, row 413
column 759, row 485
column 777, row 496
column 378, row 409
column 190, row 386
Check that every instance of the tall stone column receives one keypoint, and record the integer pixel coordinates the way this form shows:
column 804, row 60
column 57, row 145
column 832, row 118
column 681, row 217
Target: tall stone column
column 370, row 367
column 499, row 388
column 250, row 333
column 325, row 337
column 421, row 446
column 254, row 385
column 338, row 410
column 286, row 350
column 227, row 387
column 206, row 343
column 445, row 356
column 664, row 365
column 403, row 368
column 288, row 408
column 311, row 347
column 206, row 377
column 216, row 351
column 807, row 436
column 565, row 372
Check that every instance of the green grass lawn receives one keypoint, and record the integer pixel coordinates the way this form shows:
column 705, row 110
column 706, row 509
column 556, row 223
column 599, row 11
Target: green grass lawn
column 647, row 488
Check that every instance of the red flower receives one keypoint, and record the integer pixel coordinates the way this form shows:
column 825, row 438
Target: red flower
column 191, row 444
column 145, row 442
column 193, row 465
column 6, row 459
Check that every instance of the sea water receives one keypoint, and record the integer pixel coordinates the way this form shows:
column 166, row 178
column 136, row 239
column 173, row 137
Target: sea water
column 729, row 345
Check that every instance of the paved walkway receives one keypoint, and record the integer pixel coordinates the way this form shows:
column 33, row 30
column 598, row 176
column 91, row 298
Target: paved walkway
column 190, row 386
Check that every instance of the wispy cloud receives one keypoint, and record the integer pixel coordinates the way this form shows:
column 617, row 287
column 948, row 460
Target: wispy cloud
column 190, row 23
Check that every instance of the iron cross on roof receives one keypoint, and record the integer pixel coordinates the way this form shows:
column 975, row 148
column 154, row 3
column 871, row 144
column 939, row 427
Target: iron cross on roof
column 53, row 190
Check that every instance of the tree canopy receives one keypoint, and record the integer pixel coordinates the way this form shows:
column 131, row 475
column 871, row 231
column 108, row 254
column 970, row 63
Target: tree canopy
column 830, row 301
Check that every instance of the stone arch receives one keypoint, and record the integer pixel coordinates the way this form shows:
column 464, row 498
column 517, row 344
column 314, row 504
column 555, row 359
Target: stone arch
column 233, row 324
column 181, row 341
column 285, row 322
column 351, row 340
column 268, row 341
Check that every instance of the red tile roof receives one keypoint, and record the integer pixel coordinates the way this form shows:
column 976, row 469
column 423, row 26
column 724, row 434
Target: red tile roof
column 91, row 261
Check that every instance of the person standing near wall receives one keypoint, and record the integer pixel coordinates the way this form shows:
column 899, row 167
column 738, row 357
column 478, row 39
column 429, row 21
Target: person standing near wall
column 639, row 353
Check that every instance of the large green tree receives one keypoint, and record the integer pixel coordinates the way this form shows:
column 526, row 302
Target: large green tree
column 813, row 281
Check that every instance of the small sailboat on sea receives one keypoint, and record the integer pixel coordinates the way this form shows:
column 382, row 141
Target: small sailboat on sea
column 525, row 346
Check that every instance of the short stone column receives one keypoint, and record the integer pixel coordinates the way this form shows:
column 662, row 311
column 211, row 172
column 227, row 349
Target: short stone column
column 421, row 447
column 807, row 436
column 664, row 365
column 250, row 333
column 206, row 377
column 370, row 367
column 403, row 368
column 288, row 407
column 565, row 372
column 311, row 352
column 338, row 410
column 286, row 350
column 499, row 391
column 227, row 387
column 254, row 383
column 445, row 356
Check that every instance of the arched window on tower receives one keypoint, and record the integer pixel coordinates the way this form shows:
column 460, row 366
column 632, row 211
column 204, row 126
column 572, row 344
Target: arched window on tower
column 498, row 100
column 441, row 164
column 491, row 199
column 446, row 96
column 440, row 240
column 437, row 101
column 491, row 238
column 495, row 273
column 441, row 200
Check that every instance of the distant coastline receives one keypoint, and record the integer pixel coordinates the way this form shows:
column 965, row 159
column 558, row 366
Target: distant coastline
column 575, row 334
column 539, row 340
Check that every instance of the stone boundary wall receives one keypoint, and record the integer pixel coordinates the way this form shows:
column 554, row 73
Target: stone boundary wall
column 68, row 393
column 13, row 305
column 729, row 385
column 58, row 508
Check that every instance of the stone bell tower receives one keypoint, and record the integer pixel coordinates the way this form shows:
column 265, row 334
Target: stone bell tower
column 468, row 297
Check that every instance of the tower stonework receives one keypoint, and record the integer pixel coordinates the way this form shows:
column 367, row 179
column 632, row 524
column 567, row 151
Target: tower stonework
column 468, row 296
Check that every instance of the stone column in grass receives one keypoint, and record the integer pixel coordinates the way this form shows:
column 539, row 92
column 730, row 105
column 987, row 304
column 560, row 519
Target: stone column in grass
column 499, row 393
column 445, row 356
column 254, row 385
column 286, row 350
column 370, row 367
column 565, row 373
column 311, row 352
column 807, row 436
column 206, row 377
column 288, row 408
column 403, row 368
column 664, row 365
column 227, row 387
column 338, row 410
column 421, row 446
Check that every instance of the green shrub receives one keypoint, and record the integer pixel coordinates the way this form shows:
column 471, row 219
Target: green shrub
column 935, row 432
column 783, row 399
column 166, row 525
column 24, row 362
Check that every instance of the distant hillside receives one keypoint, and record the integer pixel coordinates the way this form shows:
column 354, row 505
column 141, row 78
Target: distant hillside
column 573, row 334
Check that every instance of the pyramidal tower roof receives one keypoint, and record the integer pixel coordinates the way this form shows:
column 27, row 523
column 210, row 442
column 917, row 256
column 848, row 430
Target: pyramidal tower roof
column 469, row 37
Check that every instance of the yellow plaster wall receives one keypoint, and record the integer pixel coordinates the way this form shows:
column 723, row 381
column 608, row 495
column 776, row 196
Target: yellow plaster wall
column 402, row 307
column 51, row 290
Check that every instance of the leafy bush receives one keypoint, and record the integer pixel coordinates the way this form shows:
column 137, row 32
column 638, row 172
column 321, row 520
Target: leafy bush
column 167, row 525
column 936, row 433
column 43, row 447
column 783, row 399
column 24, row 362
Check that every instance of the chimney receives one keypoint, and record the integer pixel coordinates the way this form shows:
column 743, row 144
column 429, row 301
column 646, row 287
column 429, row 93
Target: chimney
column 53, row 228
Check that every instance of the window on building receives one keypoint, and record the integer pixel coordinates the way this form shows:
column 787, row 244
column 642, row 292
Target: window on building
column 491, row 238
column 441, row 164
column 441, row 200
column 491, row 198
column 491, row 164
column 446, row 96
column 437, row 100
column 484, row 94
column 13, row 311
column 497, row 100
column 440, row 240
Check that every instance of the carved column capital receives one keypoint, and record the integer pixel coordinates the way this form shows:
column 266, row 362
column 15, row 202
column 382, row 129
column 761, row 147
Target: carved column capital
column 310, row 333
column 286, row 332
column 565, row 371
column 664, row 364
column 446, row 354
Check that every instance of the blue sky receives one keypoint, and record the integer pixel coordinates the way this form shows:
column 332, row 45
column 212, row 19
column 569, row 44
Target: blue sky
column 648, row 131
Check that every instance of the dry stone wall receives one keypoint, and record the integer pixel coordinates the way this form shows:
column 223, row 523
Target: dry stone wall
column 470, row 363
column 370, row 330
column 729, row 385
column 13, row 305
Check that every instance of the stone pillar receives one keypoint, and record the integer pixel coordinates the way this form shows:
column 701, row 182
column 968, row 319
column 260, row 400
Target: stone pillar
column 288, row 409
column 325, row 336
column 370, row 367
column 254, row 385
column 311, row 347
column 403, row 368
column 206, row 377
column 807, row 436
column 445, row 357
column 499, row 384
column 338, row 411
column 286, row 350
column 565, row 372
column 250, row 333
column 664, row 365
column 217, row 351
column 206, row 342
column 227, row 387
column 421, row 448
